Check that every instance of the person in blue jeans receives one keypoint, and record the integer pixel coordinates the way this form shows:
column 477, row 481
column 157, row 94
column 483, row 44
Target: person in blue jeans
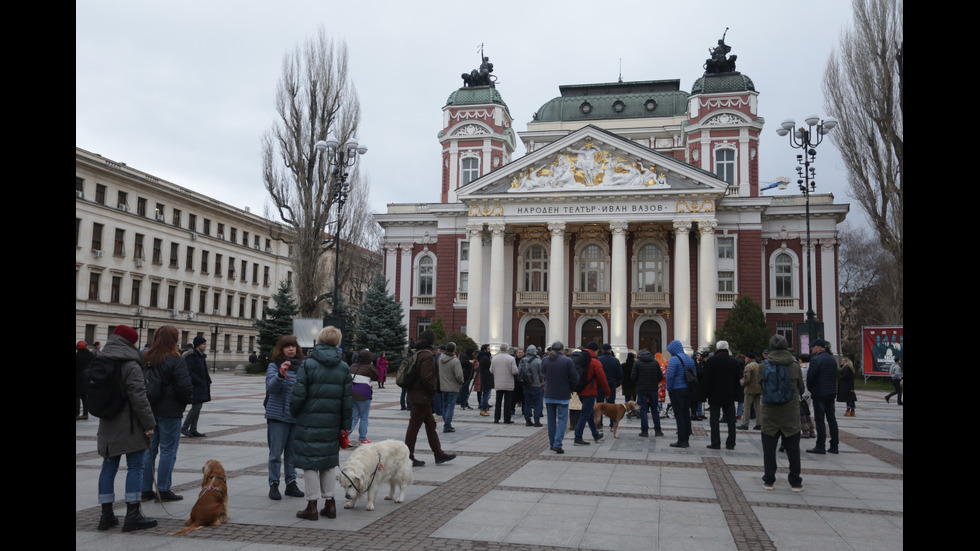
column 286, row 359
column 450, row 379
column 363, row 372
column 680, row 394
column 482, row 368
column 559, row 377
column 646, row 375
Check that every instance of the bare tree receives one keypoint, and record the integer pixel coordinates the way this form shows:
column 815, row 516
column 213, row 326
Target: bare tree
column 869, row 287
column 863, row 89
column 314, row 99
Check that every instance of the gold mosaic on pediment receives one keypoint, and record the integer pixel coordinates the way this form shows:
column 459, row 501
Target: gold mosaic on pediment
column 588, row 167
column 694, row 206
column 486, row 210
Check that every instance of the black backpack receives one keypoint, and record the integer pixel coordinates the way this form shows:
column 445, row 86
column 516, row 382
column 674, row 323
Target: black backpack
column 581, row 361
column 103, row 388
column 776, row 386
column 154, row 383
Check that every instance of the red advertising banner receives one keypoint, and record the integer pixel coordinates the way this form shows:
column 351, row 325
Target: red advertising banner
column 881, row 345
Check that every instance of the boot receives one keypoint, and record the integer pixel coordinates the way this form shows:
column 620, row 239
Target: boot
column 329, row 508
column 292, row 490
column 310, row 512
column 108, row 519
column 135, row 519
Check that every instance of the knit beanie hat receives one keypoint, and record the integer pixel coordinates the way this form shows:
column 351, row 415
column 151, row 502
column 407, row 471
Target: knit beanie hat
column 127, row 333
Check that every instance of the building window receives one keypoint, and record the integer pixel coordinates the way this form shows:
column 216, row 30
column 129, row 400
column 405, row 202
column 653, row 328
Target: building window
column 221, row 231
column 726, row 282
column 785, row 328
column 189, row 259
column 464, row 282
column 265, row 276
column 231, row 267
column 217, row 265
column 464, row 251
column 470, row 170
column 119, row 244
column 174, row 255
column 204, row 262
column 202, row 301
column 241, row 307
column 245, row 238
column 78, row 229
column 138, row 247
column 176, row 217
column 154, row 294
column 217, row 302
column 97, row 237
column 650, row 269
column 122, row 201
column 207, row 227
column 725, row 165
column 268, row 245
column 171, row 297
column 536, row 269
column 256, row 241
column 254, row 306
column 426, row 276
column 592, row 264
column 784, row 276
column 158, row 211
column 192, row 222
column 233, row 236
column 726, row 247
column 228, row 343
column 423, row 324
column 240, row 341
column 93, row 285
column 100, row 194
column 79, row 187
column 188, row 296
column 134, row 296
column 228, row 304
column 141, row 206
column 157, row 251
column 255, row 273
column 244, row 271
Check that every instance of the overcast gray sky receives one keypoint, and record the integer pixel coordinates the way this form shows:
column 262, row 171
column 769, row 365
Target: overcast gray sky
column 184, row 90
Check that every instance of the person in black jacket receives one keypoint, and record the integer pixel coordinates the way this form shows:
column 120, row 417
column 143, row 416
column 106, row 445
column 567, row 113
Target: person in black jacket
column 197, row 367
column 646, row 376
column 83, row 357
column 168, row 411
column 720, row 386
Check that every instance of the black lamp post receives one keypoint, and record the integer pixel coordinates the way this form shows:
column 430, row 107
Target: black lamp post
column 215, row 329
column 340, row 158
column 807, row 139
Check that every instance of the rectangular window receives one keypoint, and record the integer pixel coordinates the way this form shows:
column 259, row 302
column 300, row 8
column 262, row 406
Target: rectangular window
column 79, row 187
column 207, row 227
column 221, row 231
column 464, row 282
column 231, row 267
column 268, row 245
column 96, row 237
column 93, row 285
column 154, row 294
column 202, row 301
column 159, row 212
column 464, row 250
column 119, row 244
column 176, row 217
column 217, row 302
column 228, row 343
column 726, row 282
column 725, row 165
column 254, row 305
column 241, row 307
column 470, row 170
column 192, row 222
column 134, row 296
column 265, row 276
column 228, row 305
column 255, row 273
column 240, row 341
column 217, row 265
column 141, row 206
column 138, row 247
column 233, row 236
column 157, row 251
column 726, row 247
column 189, row 259
column 174, row 255
column 100, row 194
column 122, row 200
column 785, row 328
column 115, row 289
column 188, row 295
column 204, row 262
column 245, row 238
column 171, row 297
column 78, row 229
column 255, row 242
column 243, row 272
column 423, row 324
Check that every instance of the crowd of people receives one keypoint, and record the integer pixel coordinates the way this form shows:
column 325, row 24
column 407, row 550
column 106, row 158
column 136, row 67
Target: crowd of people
column 315, row 401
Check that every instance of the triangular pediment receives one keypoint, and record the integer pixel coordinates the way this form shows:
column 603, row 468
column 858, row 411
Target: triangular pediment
column 593, row 162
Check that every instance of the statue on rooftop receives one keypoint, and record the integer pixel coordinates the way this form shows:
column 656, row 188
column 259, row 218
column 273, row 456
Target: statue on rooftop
column 720, row 61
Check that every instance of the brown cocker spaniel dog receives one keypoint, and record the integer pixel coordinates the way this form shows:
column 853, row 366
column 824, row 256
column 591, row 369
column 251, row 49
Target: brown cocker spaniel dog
column 211, row 508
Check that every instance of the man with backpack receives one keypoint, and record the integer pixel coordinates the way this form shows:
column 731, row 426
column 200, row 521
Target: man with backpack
column 420, row 395
column 529, row 374
column 117, row 395
column 782, row 379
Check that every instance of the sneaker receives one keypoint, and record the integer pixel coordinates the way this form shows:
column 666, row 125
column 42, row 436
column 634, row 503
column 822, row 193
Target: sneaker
column 644, row 435
column 658, row 433
column 365, row 441
column 582, row 443
column 538, row 425
column 185, row 432
column 450, row 429
column 196, row 434
column 819, row 451
column 797, row 489
column 169, row 495
column 445, row 458
column 768, row 486
column 274, row 492
column 528, row 423
column 292, row 490
column 147, row 495
column 556, row 449
column 418, row 463
column 597, row 440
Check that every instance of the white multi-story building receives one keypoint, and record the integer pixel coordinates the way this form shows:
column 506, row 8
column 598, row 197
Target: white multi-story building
column 150, row 253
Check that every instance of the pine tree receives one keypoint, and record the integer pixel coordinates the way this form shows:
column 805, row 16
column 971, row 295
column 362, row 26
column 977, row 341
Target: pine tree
column 276, row 321
column 379, row 323
column 745, row 328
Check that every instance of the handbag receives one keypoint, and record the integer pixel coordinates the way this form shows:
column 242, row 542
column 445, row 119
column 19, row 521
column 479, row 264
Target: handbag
column 344, row 440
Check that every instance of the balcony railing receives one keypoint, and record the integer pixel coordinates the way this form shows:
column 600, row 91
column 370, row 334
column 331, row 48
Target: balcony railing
column 726, row 299
column 461, row 296
column 429, row 301
column 785, row 303
column 531, row 298
column 587, row 298
column 650, row 299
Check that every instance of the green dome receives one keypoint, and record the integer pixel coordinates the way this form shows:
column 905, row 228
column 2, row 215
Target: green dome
column 476, row 95
column 721, row 83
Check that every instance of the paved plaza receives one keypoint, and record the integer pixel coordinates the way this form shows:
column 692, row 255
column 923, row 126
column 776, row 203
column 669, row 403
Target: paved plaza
column 507, row 491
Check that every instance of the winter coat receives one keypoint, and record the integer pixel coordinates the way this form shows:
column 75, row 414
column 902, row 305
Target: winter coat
column 424, row 390
column 821, row 377
column 124, row 433
column 720, row 382
column 613, row 369
column 595, row 376
column 197, row 367
column 362, row 373
column 177, row 388
column 560, row 376
column 486, row 377
column 504, row 368
column 382, row 365
column 450, row 373
column 322, row 403
column 751, row 385
column 678, row 363
column 533, row 363
column 280, row 390
column 646, row 373
column 629, row 387
column 845, row 385
column 83, row 357
column 784, row 418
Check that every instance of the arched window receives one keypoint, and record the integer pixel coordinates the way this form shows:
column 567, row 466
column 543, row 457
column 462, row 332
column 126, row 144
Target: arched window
column 650, row 269
column 536, row 269
column 426, row 276
column 783, row 276
column 592, row 265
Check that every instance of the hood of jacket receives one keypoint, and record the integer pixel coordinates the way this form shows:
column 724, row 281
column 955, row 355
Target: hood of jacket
column 118, row 348
column 781, row 357
column 675, row 347
column 531, row 350
column 326, row 354
column 445, row 358
column 646, row 356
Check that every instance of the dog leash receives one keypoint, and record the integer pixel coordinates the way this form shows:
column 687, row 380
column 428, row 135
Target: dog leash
column 375, row 473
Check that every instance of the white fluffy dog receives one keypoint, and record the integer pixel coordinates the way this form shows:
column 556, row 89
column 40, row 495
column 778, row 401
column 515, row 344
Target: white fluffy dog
column 373, row 465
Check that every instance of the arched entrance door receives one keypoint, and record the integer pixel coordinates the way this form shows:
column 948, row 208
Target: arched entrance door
column 591, row 331
column 534, row 333
column 650, row 337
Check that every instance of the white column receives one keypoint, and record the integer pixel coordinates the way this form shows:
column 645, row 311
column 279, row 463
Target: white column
column 618, row 290
column 557, row 288
column 474, row 296
column 707, row 283
column 743, row 162
column 405, row 284
column 496, row 321
column 391, row 259
column 828, row 292
column 682, row 283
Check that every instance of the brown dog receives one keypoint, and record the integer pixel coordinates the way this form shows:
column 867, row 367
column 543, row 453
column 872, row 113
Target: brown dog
column 211, row 508
column 616, row 412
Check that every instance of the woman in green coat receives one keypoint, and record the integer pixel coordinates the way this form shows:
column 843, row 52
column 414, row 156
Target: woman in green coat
column 322, row 404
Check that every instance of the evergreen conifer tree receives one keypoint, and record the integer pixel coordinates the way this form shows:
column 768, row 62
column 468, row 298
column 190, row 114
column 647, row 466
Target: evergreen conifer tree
column 276, row 320
column 745, row 328
column 379, row 323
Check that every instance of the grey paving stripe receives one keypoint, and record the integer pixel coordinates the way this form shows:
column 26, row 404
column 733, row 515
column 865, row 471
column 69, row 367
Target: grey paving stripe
column 746, row 529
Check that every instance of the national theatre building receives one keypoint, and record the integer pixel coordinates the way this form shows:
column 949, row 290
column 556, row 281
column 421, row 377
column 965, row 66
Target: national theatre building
column 635, row 218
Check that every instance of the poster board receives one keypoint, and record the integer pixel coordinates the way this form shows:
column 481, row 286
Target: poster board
column 880, row 345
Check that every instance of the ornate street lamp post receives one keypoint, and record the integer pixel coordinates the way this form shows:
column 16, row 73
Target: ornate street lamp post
column 807, row 139
column 340, row 159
